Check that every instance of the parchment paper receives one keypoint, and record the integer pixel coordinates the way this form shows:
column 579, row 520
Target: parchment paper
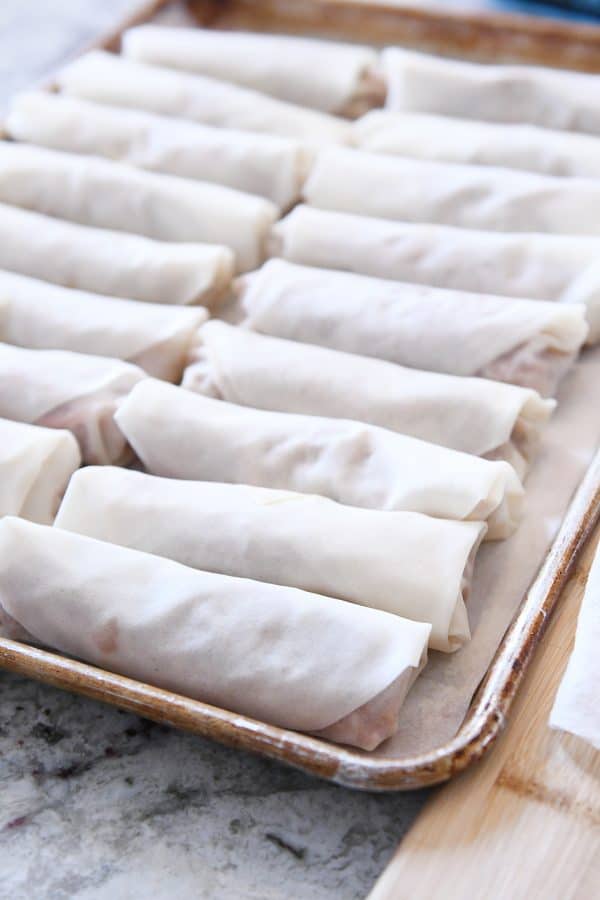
column 504, row 571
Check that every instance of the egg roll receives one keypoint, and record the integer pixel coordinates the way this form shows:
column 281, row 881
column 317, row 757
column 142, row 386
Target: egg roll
column 401, row 562
column 35, row 466
column 278, row 654
column 536, row 266
column 479, row 197
column 106, row 194
column 327, row 75
column 73, row 391
column 118, row 81
column 474, row 415
column 524, row 342
column 179, row 434
column 443, row 139
column 551, row 98
column 264, row 164
column 43, row 316
column 110, row 262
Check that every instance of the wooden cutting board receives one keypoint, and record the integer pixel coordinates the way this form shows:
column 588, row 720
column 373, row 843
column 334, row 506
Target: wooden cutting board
column 524, row 824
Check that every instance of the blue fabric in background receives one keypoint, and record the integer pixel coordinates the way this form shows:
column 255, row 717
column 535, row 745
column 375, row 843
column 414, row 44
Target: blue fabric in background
column 582, row 10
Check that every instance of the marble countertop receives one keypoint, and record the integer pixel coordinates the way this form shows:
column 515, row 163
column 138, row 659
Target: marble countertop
column 96, row 803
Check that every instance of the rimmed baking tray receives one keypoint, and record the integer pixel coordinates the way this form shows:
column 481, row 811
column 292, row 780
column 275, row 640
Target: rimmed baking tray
column 510, row 37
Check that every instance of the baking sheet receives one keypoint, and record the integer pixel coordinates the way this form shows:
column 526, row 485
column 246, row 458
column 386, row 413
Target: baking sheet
column 436, row 706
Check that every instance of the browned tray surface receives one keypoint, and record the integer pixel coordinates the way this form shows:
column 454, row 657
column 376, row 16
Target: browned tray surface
column 513, row 37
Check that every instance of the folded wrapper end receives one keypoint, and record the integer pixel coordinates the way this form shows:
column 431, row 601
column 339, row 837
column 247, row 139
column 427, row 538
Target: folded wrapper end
column 275, row 242
column 263, row 250
column 91, row 420
column 305, row 158
column 167, row 359
column 541, row 362
column 226, row 308
column 506, row 501
column 215, row 294
column 533, row 365
column 370, row 93
column 459, row 631
column 450, row 636
column 267, row 213
column 47, row 489
column 526, row 435
column 377, row 719
column 232, row 310
column 200, row 375
column 242, row 284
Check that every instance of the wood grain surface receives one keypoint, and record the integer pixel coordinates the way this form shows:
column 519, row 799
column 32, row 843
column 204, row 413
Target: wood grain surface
column 525, row 822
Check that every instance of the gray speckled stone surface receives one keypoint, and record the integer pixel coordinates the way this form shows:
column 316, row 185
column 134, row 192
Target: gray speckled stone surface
column 95, row 803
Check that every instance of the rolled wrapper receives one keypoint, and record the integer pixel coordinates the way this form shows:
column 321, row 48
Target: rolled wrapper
column 537, row 266
column 486, row 418
column 403, row 563
column 44, row 316
column 73, row 391
column 327, row 75
column 179, row 434
column 263, row 164
column 117, row 81
column 278, row 654
column 552, row 98
column 35, row 466
column 113, row 263
column 413, row 190
column 519, row 341
column 441, row 139
column 106, row 194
